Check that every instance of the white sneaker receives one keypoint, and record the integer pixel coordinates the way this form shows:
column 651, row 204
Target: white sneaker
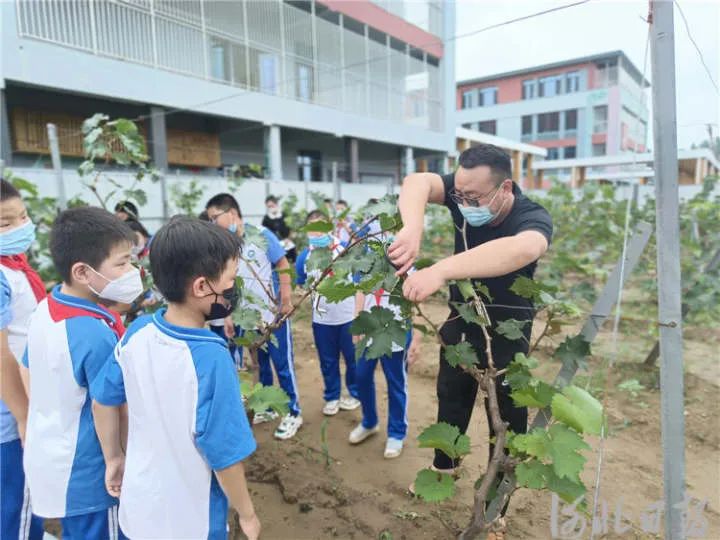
column 393, row 448
column 349, row 403
column 331, row 408
column 288, row 427
column 266, row 416
column 360, row 433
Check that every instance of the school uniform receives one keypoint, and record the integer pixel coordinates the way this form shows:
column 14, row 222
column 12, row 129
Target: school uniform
column 331, row 330
column 18, row 299
column 186, row 420
column 394, row 367
column 69, row 340
column 257, row 269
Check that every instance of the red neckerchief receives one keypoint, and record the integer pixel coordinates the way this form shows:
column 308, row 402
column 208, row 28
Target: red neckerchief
column 20, row 262
column 378, row 296
column 60, row 311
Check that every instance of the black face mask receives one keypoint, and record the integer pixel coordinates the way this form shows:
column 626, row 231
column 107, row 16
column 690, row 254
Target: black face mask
column 219, row 310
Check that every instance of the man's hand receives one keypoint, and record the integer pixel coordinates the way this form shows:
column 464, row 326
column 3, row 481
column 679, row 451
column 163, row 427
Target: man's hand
column 114, row 470
column 357, row 338
column 286, row 307
column 229, row 327
column 423, row 283
column 251, row 527
column 414, row 350
column 404, row 250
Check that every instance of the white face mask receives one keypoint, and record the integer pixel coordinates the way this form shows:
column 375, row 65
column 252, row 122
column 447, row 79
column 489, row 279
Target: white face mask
column 124, row 289
column 274, row 213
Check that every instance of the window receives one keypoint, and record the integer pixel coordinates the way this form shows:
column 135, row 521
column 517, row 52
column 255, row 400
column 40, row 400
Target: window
column 550, row 86
column 569, row 152
column 607, row 73
column 468, row 99
column 598, row 149
column 528, row 89
column 487, row 97
column 571, row 120
column 488, row 126
column 527, row 125
column 572, row 82
column 309, row 166
column 600, row 114
column 548, row 122
column 553, row 153
column 303, row 82
column 268, row 72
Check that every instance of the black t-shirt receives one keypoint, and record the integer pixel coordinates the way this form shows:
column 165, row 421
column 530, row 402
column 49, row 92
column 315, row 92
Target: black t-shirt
column 526, row 215
column 277, row 226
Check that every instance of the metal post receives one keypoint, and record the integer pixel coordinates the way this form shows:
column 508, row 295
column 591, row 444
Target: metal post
column 246, row 41
column 5, row 145
column 337, row 194
column 273, row 151
column 57, row 165
column 159, row 148
column 409, row 161
column 284, row 91
column 662, row 49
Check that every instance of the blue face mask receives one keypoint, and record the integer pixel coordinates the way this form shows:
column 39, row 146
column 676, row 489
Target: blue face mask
column 320, row 241
column 18, row 240
column 477, row 217
column 233, row 228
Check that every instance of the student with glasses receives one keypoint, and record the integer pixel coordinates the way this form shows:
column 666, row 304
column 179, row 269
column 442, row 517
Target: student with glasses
column 499, row 235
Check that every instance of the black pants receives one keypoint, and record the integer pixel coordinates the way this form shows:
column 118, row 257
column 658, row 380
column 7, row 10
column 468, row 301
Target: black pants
column 457, row 390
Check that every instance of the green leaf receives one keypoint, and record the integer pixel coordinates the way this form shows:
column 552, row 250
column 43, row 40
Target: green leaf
column 536, row 443
column 247, row 318
column 336, row 289
column 573, row 351
column 578, row 409
column 320, row 226
column 518, row 373
column 381, row 330
column 261, row 398
column 353, row 261
column 470, row 288
column 526, row 288
column 536, row 394
column 24, row 185
column 461, row 354
column 512, row 329
column 565, row 446
column 446, row 438
column 432, row 486
column 319, row 259
column 469, row 314
column 138, row 195
column 532, row 474
column 568, row 490
column 254, row 235
column 385, row 206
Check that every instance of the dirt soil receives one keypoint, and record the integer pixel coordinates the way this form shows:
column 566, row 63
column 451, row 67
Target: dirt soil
column 353, row 492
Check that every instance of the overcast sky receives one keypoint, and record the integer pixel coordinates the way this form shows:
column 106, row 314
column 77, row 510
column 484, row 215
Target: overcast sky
column 595, row 27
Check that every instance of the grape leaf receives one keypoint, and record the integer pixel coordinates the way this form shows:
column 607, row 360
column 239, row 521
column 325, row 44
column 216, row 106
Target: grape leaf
column 354, row 261
column 536, row 393
column 568, row 490
column 461, row 354
column 261, row 398
column 446, row 438
column 469, row 314
column 518, row 373
column 536, row 443
column 247, row 318
column 385, row 206
column 381, row 330
column 320, row 226
column 432, row 486
column 469, row 289
column 336, row 289
column 319, row 259
column 526, row 288
column 565, row 445
column 573, row 351
column 578, row 409
column 532, row 474
column 254, row 235
column 512, row 329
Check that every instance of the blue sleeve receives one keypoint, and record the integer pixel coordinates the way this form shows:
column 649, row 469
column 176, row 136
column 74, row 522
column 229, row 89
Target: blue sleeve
column 91, row 345
column 275, row 250
column 24, row 360
column 222, row 430
column 108, row 387
column 5, row 298
column 300, row 266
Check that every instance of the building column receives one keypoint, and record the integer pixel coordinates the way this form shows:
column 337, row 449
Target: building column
column 698, row 171
column 530, row 175
column 5, row 144
column 446, row 167
column 516, row 166
column 159, row 152
column 409, row 161
column 352, row 160
column 581, row 176
column 273, row 152
column 574, row 177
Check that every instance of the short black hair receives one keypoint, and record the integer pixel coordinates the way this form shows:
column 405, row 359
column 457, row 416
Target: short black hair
column 327, row 201
column 129, row 208
column 342, row 201
column 271, row 198
column 488, row 154
column 203, row 216
column 315, row 214
column 8, row 191
column 225, row 201
column 85, row 234
column 138, row 227
column 187, row 248
column 373, row 200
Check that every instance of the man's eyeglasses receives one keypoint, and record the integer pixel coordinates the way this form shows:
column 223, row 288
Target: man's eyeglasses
column 214, row 218
column 459, row 198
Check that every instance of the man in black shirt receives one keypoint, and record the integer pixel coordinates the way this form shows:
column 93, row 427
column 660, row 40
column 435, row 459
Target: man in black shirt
column 499, row 235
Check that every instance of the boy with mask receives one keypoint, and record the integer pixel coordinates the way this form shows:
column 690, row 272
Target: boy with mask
column 274, row 221
column 331, row 327
column 264, row 270
column 20, row 291
column 70, row 337
column 184, row 455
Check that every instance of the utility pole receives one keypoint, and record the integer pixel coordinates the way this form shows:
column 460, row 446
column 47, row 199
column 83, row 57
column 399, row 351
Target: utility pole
column 668, row 265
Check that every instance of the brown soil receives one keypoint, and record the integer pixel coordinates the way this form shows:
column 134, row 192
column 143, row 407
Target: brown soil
column 359, row 494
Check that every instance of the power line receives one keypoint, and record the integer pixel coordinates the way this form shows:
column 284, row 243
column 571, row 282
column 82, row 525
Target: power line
column 700, row 54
